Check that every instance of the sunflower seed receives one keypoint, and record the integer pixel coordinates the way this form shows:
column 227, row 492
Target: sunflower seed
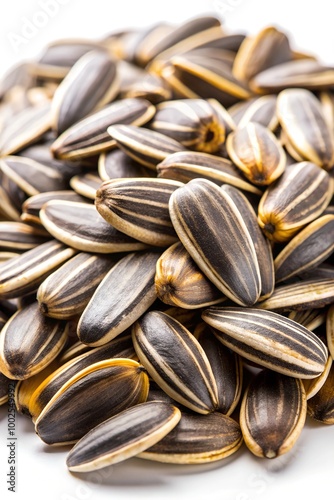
column 201, row 77
column 179, row 282
column 81, row 226
column 73, row 411
column 90, row 84
column 226, row 366
column 151, row 87
column 20, row 237
column 123, row 436
column 185, row 166
column 182, row 369
column 269, row 339
column 32, row 206
column 196, row 210
column 257, row 152
column 306, row 73
column 25, row 128
column 89, row 136
column 23, row 274
column 301, row 117
column 124, row 294
column 256, row 54
column 197, row 439
column 12, row 197
column 299, row 196
column 53, row 382
column 67, row 291
column 272, row 414
column 145, row 146
column 29, row 342
column 32, row 177
column 139, row 208
column 307, row 294
column 311, row 318
column 307, row 249
column 321, row 406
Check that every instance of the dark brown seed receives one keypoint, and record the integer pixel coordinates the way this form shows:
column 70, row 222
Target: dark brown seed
column 273, row 414
column 197, row 439
column 321, row 406
column 20, row 237
column 118, row 165
column 125, row 293
column 86, row 185
column 175, row 361
column 197, row 211
column 81, row 226
column 139, row 208
column 258, row 109
column 29, row 342
column 187, row 165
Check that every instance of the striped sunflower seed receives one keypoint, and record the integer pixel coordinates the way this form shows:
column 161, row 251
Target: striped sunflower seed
column 330, row 330
column 25, row 128
column 306, row 73
column 306, row 294
column 118, row 165
column 89, row 136
column 139, row 208
column 183, row 38
column 145, row 146
column 269, row 339
column 201, row 77
column 272, row 414
column 82, row 227
column 29, row 341
column 124, row 294
column 179, row 282
column 53, row 382
column 185, row 166
column 197, row 210
column 175, row 361
column 197, row 439
column 260, row 110
column 256, row 54
column 261, row 244
column 58, row 57
column 20, row 237
column 192, row 122
column 73, row 411
column 32, row 206
column 187, row 317
column 226, row 367
column 327, row 104
column 23, row 274
column 12, row 197
column 32, row 177
column 302, row 119
column 67, row 291
column 86, row 184
column 89, row 85
column 150, row 87
column 321, row 406
column 307, row 249
column 257, row 152
column 299, row 196
column 123, row 436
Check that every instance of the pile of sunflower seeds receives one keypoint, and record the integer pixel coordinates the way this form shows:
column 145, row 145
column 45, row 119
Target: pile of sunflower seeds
column 166, row 241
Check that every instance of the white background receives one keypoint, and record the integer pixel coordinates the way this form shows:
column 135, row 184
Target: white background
column 307, row 471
